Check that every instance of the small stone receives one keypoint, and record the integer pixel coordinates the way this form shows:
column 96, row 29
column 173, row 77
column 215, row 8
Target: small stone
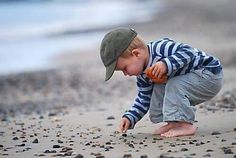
column 56, row 146
column 209, row 150
column 79, row 156
column 184, row 149
column 207, row 155
column 35, row 141
column 227, row 151
column 15, row 138
column 59, row 141
column 124, row 135
column 131, row 145
column 110, row 118
column 215, row 133
column 47, row 151
column 234, row 143
column 127, row 156
column 21, row 145
column 143, row 156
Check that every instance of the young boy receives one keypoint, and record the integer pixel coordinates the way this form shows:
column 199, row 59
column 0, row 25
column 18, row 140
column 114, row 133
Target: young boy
column 192, row 78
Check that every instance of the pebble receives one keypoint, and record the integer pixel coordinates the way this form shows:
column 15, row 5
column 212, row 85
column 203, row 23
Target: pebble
column 143, row 156
column 79, row 156
column 15, row 138
column 56, row 146
column 127, row 156
column 184, row 149
column 59, row 141
column 124, row 135
column 215, row 133
column 110, row 118
column 35, row 141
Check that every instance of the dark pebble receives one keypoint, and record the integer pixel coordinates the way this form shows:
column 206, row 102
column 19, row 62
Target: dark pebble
column 35, row 141
column 143, row 156
column 100, row 156
column 110, row 118
column 52, row 114
column 1, row 146
column 47, row 151
column 215, row 133
column 184, row 149
column 124, row 135
column 59, row 141
column 209, row 150
column 21, row 145
column 56, row 146
column 131, row 145
column 15, row 138
column 234, row 143
column 79, row 156
column 127, row 156
column 207, row 155
column 227, row 151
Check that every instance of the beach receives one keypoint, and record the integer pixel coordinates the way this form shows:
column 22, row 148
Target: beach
column 69, row 111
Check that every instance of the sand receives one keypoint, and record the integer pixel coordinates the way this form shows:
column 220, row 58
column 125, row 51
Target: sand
column 70, row 111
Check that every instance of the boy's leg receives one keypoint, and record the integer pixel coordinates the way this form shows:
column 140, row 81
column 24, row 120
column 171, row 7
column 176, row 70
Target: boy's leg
column 156, row 103
column 156, row 108
column 182, row 93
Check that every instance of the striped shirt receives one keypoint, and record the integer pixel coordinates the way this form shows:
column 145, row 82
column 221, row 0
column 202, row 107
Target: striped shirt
column 180, row 59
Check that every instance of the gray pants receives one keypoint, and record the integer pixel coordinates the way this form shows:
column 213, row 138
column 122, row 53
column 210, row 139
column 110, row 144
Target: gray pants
column 175, row 100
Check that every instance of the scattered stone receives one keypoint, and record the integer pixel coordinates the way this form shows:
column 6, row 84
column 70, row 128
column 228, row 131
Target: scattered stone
column 110, row 118
column 35, row 141
column 15, row 138
column 59, row 141
column 227, row 150
column 184, row 149
column 21, row 145
column 79, row 156
column 131, row 145
column 56, row 146
column 127, row 156
column 124, row 135
column 209, row 150
column 143, row 156
column 215, row 133
column 52, row 114
column 1, row 146
column 207, row 155
column 234, row 143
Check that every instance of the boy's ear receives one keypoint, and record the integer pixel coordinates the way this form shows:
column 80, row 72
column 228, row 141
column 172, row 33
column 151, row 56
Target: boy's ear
column 135, row 52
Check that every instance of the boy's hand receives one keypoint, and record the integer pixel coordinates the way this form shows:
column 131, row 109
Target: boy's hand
column 124, row 125
column 157, row 73
column 159, row 69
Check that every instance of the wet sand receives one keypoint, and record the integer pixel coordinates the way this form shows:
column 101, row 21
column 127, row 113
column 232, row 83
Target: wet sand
column 71, row 112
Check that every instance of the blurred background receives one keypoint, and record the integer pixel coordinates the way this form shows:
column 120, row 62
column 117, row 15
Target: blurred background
column 33, row 32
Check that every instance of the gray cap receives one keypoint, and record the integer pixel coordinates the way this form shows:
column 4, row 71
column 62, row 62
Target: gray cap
column 113, row 45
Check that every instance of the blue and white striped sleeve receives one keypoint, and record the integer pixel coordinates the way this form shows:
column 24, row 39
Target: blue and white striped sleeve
column 176, row 55
column 141, row 103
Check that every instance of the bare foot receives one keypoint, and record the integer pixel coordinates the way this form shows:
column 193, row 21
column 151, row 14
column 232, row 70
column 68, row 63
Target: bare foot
column 165, row 128
column 181, row 129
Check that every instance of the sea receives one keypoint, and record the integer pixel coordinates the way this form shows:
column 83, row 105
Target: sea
column 32, row 32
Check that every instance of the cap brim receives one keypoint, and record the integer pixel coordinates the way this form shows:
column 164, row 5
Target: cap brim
column 110, row 70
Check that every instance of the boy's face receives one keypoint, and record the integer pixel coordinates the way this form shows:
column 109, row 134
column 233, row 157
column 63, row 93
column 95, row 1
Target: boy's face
column 132, row 65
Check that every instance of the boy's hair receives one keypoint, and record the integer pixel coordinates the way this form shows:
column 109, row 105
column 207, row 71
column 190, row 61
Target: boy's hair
column 136, row 43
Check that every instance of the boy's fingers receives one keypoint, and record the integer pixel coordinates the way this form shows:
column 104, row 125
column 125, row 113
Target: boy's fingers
column 121, row 127
column 126, row 126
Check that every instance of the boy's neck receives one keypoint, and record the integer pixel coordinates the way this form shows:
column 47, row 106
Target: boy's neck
column 147, row 54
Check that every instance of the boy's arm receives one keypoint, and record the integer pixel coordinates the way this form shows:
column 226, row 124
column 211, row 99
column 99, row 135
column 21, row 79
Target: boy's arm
column 175, row 55
column 141, row 103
